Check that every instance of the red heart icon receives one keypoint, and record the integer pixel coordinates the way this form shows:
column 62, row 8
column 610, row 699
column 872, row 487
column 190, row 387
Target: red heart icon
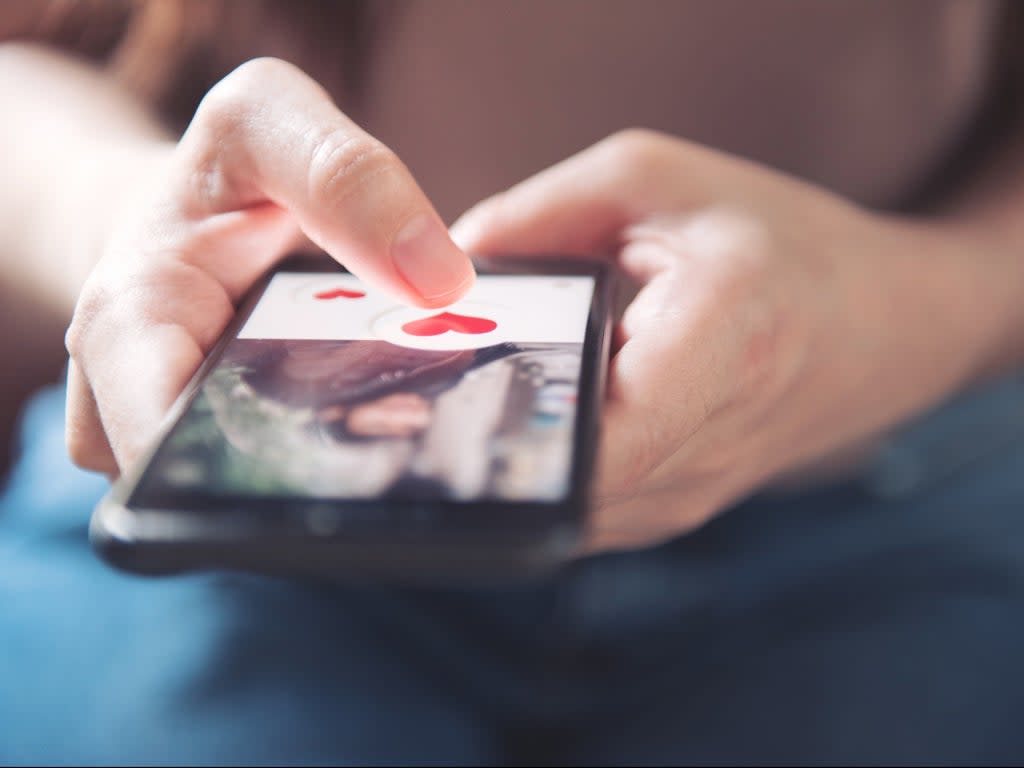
column 339, row 293
column 435, row 325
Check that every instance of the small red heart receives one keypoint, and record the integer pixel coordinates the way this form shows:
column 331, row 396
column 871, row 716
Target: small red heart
column 435, row 325
column 339, row 293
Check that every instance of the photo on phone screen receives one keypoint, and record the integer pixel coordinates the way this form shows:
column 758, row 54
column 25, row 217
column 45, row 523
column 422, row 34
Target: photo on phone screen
column 332, row 389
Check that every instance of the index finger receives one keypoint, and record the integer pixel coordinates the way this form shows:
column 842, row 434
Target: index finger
column 268, row 132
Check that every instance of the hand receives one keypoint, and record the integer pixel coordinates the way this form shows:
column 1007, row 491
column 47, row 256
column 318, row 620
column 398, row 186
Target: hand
column 267, row 159
column 774, row 324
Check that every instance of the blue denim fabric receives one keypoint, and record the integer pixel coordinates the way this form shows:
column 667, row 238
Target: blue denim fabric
column 877, row 621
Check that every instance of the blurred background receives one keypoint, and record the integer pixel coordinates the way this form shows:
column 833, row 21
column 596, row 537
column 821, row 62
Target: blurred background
column 886, row 103
column 891, row 104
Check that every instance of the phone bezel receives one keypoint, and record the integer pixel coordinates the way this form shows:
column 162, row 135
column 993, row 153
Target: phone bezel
column 199, row 530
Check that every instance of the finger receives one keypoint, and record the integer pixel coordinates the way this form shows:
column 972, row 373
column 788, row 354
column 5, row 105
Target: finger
column 142, row 296
column 268, row 132
column 583, row 204
column 84, row 434
column 137, row 388
column 650, row 518
column 665, row 381
column 637, row 438
column 267, row 146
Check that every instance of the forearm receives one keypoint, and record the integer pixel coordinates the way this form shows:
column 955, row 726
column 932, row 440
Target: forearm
column 70, row 160
column 982, row 226
column 71, row 148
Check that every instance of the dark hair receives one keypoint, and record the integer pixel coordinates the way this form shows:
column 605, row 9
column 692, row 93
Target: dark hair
column 355, row 371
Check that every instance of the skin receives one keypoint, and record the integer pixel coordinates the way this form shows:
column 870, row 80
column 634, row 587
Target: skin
column 774, row 325
column 403, row 414
column 267, row 159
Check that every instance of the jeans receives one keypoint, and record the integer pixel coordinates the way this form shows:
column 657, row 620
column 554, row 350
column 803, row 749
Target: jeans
column 880, row 620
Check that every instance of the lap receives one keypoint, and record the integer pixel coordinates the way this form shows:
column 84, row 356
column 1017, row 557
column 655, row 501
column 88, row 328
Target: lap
column 99, row 667
column 873, row 621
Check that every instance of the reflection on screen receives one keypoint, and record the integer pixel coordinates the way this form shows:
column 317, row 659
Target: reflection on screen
column 333, row 390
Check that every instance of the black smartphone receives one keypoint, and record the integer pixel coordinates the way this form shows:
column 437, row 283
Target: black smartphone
column 333, row 430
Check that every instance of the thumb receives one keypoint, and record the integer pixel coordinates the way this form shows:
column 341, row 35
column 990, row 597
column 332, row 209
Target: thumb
column 582, row 205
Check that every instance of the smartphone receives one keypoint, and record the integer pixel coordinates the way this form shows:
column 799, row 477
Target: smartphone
column 334, row 430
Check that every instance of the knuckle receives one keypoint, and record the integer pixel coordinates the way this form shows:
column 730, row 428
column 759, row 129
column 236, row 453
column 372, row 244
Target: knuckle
column 255, row 73
column 104, row 310
column 177, row 294
column 222, row 110
column 229, row 106
column 751, row 252
column 637, row 148
column 342, row 161
column 737, row 251
column 164, row 292
column 92, row 302
column 219, row 121
column 240, row 95
column 231, row 96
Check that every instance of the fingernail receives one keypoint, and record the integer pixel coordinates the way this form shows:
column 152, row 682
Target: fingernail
column 427, row 258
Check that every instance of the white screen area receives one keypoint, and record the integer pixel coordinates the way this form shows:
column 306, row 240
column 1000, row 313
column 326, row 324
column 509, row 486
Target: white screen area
column 333, row 389
column 523, row 308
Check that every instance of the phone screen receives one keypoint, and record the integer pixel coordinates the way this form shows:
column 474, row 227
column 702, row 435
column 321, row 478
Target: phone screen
column 332, row 389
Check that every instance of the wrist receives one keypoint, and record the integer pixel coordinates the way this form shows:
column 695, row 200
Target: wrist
column 969, row 291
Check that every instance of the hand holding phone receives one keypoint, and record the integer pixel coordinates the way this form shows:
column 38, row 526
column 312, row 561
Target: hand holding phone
column 333, row 429
column 267, row 162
